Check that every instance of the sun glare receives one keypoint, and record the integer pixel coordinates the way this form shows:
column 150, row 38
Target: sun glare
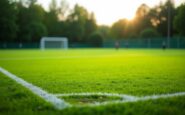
column 109, row 11
column 112, row 13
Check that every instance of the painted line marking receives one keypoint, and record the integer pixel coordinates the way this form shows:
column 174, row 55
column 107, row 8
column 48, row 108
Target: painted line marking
column 144, row 98
column 57, row 102
column 125, row 98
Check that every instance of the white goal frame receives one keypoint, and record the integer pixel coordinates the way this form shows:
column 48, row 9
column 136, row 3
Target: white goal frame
column 63, row 40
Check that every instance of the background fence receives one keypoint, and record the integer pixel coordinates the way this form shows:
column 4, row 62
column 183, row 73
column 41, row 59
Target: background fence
column 109, row 43
column 146, row 43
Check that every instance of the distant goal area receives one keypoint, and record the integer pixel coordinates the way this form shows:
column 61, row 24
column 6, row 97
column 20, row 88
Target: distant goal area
column 53, row 43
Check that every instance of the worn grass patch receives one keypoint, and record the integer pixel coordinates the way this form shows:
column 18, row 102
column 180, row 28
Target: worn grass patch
column 86, row 100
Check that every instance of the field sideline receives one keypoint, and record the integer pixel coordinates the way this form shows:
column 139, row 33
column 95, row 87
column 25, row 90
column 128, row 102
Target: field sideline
column 136, row 72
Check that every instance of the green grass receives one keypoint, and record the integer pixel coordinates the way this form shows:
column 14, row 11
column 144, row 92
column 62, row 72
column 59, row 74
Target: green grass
column 134, row 72
column 14, row 99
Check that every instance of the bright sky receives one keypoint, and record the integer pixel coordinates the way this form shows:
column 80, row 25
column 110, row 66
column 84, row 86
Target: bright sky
column 109, row 11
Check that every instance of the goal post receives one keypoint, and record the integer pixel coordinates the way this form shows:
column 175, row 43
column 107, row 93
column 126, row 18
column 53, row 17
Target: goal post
column 53, row 43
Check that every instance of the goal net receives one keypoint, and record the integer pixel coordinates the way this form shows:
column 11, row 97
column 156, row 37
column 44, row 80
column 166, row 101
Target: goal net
column 54, row 43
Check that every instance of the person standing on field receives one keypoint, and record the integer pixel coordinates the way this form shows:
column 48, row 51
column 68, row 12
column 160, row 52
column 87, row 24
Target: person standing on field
column 117, row 45
column 164, row 45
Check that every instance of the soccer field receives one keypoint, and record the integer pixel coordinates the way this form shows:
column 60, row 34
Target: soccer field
column 85, row 77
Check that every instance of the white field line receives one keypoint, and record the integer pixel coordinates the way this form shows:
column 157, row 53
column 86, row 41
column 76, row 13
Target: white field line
column 145, row 98
column 58, row 103
column 125, row 98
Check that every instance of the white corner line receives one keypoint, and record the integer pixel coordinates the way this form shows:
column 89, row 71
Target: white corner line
column 125, row 98
column 57, row 102
column 144, row 98
column 162, row 96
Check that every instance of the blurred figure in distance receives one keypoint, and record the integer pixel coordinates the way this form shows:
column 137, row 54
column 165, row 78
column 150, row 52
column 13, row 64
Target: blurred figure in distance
column 117, row 45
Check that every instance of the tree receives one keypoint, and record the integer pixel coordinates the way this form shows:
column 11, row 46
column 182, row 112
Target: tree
column 104, row 31
column 53, row 6
column 118, row 30
column 90, row 26
column 30, row 21
column 55, row 19
column 149, row 33
column 63, row 10
column 37, row 30
column 51, row 19
column 52, row 23
column 141, row 20
column 8, row 26
column 130, row 29
column 159, row 17
column 22, row 21
column 96, row 39
column 76, row 23
column 179, row 22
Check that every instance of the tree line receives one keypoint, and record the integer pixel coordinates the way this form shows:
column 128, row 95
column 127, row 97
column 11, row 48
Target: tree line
column 27, row 21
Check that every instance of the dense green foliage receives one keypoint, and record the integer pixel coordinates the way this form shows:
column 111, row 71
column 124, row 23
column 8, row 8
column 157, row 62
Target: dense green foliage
column 134, row 72
column 8, row 26
column 179, row 22
column 26, row 21
column 96, row 39
column 149, row 33
column 146, row 17
column 118, row 29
